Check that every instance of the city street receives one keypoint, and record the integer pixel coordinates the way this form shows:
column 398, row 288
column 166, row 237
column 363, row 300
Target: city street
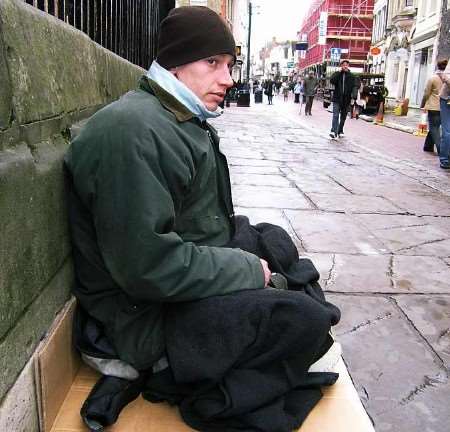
column 372, row 211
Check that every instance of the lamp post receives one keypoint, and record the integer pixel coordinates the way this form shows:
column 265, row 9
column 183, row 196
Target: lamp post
column 248, row 40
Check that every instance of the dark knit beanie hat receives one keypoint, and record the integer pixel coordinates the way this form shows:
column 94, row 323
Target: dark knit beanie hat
column 191, row 33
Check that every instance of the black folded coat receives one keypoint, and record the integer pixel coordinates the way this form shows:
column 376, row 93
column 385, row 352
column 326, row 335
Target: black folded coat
column 240, row 362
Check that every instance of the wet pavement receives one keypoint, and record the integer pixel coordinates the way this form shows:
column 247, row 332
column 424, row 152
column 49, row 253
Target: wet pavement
column 373, row 213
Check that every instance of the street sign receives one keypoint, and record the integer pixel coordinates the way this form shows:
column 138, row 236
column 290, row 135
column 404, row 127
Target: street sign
column 335, row 54
column 290, row 64
column 375, row 51
column 301, row 46
column 323, row 24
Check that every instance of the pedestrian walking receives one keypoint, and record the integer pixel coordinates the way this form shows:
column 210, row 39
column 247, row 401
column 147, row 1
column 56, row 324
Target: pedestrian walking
column 431, row 105
column 286, row 90
column 344, row 95
column 310, row 87
column 268, row 90
column 277, row 87
column 302, row 98
column 445, row 118
column 298, row 90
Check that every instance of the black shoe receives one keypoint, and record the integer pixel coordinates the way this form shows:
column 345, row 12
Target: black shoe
column 444, row 166
column 333, row 136
column 107, row 399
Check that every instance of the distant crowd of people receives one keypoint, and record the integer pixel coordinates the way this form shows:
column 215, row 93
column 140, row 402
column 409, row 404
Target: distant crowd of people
column 347, row 97
column 305, row 88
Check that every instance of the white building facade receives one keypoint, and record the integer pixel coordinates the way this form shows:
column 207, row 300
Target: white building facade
column 404, row 45
column 238, row 10
column 424, row 42
column 380, row 20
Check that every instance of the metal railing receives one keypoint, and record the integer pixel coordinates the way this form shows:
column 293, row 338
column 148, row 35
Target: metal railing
column 129, row 28
column 349, row 31
column 357, row 8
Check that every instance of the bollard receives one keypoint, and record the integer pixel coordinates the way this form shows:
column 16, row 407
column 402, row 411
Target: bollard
column 379, row 119
column 422, row 126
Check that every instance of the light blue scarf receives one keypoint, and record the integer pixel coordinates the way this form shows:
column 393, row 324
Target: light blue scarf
column 176, row 88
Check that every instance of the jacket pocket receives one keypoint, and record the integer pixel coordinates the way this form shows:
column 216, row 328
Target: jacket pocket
column 200, row 229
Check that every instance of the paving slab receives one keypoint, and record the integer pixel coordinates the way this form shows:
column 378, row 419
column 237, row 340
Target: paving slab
column 391, row 362
column 411, row 237
column 361, row 273
column 420, row 274
column 441, row 222
column 245, row 169
column 440, row 248
column 431, row 316
column 283, row 157
column 420, row 203
column 333, row 232
column 370, row 185
column 232, row 151
column 269, row 197
column 252, row 162
column 426, row 410
column 308, row 181
column 259, row 180
column 353, row 203
column 387, row 222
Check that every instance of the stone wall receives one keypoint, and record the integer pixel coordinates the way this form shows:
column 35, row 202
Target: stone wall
column 51, row 76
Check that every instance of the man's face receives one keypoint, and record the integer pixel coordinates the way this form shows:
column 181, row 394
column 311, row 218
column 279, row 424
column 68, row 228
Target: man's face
column 207, row 78
column 344, row 67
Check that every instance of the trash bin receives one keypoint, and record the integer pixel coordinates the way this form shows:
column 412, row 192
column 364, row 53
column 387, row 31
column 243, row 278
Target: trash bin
column 258, row 96
column 243, row 99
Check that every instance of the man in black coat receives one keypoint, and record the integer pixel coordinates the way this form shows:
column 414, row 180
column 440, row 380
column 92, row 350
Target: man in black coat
column 344, row 95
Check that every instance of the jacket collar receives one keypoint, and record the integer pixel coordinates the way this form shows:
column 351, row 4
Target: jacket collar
column 169, row 102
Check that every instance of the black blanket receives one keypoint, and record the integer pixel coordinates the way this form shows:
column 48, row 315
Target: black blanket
column 240, row 362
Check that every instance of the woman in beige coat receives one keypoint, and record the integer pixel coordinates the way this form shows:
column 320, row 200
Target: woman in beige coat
column 431, row 105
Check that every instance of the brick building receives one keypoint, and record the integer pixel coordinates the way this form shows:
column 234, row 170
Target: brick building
column 336, row 29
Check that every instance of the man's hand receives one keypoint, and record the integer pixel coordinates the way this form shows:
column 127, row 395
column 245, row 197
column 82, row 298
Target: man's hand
column 266, row 270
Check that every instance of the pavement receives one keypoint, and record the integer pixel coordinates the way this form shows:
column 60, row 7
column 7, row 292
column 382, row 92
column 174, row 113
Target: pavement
column 408, row 123
column 372, row 211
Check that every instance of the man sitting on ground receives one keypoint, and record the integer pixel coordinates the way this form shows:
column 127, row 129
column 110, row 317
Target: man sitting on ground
column 161, row 271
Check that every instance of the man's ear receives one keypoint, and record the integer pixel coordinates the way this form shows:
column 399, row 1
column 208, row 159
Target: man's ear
column 174, row 71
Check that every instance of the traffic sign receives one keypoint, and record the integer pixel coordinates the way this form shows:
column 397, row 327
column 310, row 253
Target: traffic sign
column 335, row 54
column 301, row 46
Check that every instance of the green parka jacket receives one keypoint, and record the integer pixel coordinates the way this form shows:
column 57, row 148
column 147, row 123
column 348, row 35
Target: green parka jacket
column 150, row 211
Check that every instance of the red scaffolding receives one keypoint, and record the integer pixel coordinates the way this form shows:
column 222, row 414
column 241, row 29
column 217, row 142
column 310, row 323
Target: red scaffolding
column 349, row 27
